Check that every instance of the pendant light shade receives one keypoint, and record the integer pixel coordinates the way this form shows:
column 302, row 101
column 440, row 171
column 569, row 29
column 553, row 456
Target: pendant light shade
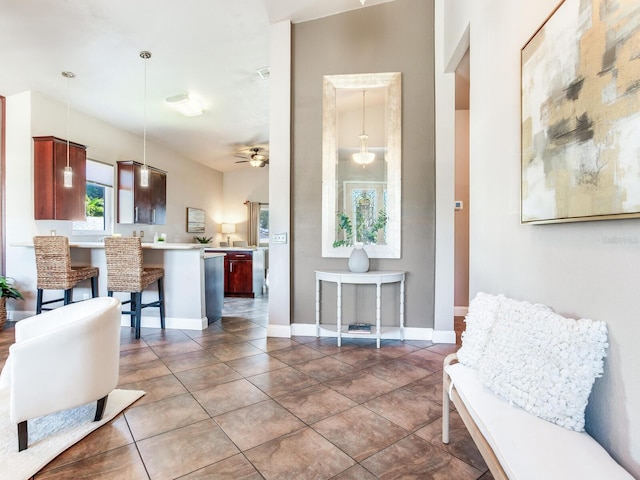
column 363, row 157
column 67, row 179
column 144, row 171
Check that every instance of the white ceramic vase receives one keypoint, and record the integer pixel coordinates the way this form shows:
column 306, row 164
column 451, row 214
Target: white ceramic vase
column 358, row 260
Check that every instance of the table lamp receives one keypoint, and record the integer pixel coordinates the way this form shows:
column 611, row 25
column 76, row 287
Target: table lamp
column 228, row 228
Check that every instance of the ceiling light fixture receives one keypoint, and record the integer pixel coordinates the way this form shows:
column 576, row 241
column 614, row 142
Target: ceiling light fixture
column 363, row 157
column 362, row 2
column 185, row 104
column 67, row 179
column 257, row 160
column 144, row 171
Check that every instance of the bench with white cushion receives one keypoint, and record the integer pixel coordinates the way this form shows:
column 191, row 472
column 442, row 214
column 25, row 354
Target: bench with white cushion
column 521, row 366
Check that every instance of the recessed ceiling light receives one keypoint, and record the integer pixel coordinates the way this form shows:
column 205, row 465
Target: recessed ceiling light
column 264, row 72
column 185, row 104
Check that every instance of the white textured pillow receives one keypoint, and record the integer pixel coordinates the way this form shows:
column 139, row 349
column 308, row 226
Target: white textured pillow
column 543, row 362
column 479, row 319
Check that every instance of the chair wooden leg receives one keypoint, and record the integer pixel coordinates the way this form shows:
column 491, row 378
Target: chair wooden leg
column 161, row 300
column 23, row 436
column 138, row 310
column 101, row 405
column 39, row 302
column 68, row 296
column 94, row 287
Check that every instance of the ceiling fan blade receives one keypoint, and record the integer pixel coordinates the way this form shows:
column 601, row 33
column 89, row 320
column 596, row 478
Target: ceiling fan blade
column 242, row 161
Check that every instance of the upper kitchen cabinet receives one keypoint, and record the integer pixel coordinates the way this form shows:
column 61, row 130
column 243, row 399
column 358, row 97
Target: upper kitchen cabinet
column 52, row 200
column 137, row 204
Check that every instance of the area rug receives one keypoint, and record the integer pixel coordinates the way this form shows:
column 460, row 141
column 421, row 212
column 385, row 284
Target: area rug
column 51, row 435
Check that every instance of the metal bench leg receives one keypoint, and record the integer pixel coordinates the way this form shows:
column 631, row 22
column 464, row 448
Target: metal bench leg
column 137, row 298
column 39, row 302
column 68, row 296
column 94, row 287
column 161, row 300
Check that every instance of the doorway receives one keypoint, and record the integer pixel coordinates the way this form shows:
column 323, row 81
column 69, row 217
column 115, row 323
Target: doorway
column 462, row 201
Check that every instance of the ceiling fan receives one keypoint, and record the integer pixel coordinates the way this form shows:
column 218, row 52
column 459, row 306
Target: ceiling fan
column 256, row 156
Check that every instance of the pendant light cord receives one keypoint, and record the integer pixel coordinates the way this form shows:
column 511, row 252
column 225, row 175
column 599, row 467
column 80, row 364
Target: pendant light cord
column 68, row 101
column 144, row 115
column 363, row 116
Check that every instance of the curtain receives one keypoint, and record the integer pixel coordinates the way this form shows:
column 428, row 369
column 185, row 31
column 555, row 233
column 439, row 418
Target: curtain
column 253, row 219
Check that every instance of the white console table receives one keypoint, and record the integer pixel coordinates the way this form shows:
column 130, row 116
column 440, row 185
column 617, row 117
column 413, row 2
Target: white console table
column 373, row 277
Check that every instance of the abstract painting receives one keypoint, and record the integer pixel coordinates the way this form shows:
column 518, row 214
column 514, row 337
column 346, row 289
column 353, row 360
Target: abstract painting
column 581, row 114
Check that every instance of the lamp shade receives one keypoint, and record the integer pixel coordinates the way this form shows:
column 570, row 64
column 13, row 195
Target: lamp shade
column 228, row 228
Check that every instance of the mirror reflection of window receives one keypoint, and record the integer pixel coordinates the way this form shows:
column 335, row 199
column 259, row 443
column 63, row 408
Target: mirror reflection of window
column 360, row 186
column 362, row 162
column 364, row 203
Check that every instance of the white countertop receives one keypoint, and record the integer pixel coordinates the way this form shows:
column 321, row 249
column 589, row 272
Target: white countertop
column 149, row 245
column 230, row 249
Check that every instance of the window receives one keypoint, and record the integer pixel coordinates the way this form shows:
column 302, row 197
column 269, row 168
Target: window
column 98, row 201
column 263, row 224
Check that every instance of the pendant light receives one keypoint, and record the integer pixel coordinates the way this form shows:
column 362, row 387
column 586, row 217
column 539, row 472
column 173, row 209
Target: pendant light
column 67, row 179
column 363, row 157
column 144, row 171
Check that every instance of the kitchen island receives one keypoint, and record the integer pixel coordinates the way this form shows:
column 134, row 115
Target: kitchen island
column 186, row 295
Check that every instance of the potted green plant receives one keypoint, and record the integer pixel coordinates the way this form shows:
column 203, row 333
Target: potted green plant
column 203, row 240
column 365, row 233
column 7, row 291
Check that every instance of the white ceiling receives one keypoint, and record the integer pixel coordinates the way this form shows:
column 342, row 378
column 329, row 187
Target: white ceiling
column 208, row 48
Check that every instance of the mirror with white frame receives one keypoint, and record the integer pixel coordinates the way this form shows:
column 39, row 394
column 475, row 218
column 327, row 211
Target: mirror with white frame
column 361, row 164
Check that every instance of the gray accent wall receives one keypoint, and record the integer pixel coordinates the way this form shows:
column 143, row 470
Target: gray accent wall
column 391, row 37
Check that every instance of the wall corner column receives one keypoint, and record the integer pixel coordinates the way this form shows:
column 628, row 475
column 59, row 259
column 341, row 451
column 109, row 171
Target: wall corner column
column 280, row 179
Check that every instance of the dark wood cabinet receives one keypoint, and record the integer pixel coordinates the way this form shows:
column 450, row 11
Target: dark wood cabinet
column 243, row 271
column 137, row 204
column 238, row 274
column 52, row 200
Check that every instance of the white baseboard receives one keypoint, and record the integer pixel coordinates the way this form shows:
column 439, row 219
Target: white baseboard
column 171, row 323
column 410, row 333
column 444, row 336
column 413, row 333
column 17, row 315
column 303, row 329
column 279, row 331
column 460, row 311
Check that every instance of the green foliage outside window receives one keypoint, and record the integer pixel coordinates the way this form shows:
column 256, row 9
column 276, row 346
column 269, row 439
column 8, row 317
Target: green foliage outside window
column 364, row 233
column 94, row 201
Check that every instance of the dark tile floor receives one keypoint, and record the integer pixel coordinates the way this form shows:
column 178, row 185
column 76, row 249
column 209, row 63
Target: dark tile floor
column 229, row 403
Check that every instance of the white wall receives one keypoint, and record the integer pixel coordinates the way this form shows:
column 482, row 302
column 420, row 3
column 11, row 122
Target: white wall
column 587, row 269
column 280, row 179
column 29, row 114
column 250, row 184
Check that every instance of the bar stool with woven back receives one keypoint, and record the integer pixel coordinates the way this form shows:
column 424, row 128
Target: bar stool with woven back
column 126, row 273
column 54, row 270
